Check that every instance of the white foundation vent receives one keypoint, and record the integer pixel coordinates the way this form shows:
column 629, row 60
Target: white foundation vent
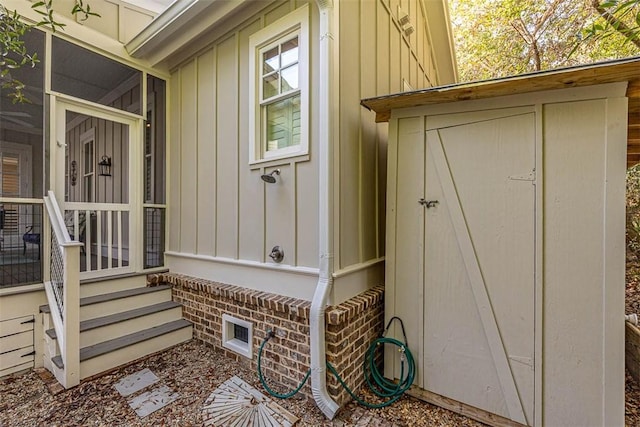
column 237, row 335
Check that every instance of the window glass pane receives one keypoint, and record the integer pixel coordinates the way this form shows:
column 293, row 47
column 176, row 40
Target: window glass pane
column 88, row 158
column 270, row 86
column 270, row 61
column 289, row 52
column 81, row 73
column 289, row 78
column 283, row 123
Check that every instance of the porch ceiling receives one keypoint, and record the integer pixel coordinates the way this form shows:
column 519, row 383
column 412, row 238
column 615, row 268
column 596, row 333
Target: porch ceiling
column 606, row 72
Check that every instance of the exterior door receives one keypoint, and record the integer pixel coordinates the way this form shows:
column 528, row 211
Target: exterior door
column 96, row 153
column 469, row 270
column 479, row 261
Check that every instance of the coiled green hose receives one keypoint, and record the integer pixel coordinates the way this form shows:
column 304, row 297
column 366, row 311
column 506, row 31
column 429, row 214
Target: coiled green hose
column 376, row 381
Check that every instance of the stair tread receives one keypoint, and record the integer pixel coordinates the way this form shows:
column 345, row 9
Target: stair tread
column 117, row 276
column 111, row 319
column 113, row 296
column 105, row 347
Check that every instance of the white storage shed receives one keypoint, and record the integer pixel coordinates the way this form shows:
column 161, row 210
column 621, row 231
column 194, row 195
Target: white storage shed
column 505, row 248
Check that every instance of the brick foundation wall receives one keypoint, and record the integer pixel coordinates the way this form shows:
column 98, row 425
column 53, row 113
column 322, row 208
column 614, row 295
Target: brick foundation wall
column 350, row 328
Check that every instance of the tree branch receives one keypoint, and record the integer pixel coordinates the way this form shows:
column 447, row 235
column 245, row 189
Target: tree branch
column 615, row 23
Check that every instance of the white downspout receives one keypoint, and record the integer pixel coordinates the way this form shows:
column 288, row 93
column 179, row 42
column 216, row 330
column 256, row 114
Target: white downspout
column 325, row 215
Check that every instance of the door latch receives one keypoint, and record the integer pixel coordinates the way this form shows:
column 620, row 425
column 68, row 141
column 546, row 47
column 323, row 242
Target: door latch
column 428, row 203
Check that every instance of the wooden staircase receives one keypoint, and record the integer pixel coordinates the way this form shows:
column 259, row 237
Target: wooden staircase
column 121, row 320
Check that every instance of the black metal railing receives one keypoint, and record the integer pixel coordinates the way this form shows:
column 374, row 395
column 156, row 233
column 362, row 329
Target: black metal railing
column 154, row 236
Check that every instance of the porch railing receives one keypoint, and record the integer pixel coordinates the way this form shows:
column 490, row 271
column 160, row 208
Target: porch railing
column 103, row 231
column 63, row 293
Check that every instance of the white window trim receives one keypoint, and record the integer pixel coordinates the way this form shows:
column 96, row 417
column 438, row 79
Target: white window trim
column 229, row 341
column 296, row 21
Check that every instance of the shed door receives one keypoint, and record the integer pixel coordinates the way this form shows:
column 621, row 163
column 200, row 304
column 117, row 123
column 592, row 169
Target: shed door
column 479, row 249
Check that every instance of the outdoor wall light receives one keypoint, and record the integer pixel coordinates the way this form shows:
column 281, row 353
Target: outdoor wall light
column 105, row 166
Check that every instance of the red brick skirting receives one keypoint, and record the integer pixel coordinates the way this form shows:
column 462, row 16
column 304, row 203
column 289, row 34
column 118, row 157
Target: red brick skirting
column 351, row 327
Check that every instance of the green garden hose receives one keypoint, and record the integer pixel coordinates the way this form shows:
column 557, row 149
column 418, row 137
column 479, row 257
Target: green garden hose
column 379, row 385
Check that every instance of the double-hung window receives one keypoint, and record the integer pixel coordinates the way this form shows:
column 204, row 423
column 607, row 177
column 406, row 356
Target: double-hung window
column 279, row 73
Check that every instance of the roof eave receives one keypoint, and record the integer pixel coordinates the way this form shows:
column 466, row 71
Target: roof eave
column 179, row 24
column 441, row 35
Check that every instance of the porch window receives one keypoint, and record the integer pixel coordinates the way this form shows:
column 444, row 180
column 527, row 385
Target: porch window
column 279, row 69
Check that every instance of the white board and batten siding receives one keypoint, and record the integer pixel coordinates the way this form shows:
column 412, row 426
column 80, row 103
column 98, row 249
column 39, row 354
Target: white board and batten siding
column 511, row 282
column 376, row 58
column 223, row 219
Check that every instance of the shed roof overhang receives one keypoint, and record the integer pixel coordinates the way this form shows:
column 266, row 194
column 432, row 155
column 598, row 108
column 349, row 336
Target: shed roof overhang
column 605, row 72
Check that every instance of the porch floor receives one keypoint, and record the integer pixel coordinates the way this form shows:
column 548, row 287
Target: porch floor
column 194, row 370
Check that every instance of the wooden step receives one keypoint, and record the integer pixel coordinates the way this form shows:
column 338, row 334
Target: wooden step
column 105, row 328
column 105, row 285
column 115, row 302
column 125, row 346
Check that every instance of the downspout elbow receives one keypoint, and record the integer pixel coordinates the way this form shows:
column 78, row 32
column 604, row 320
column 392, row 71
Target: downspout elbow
column 318, row 355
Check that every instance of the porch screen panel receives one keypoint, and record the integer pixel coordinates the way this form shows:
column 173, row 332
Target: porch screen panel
column 84, row 74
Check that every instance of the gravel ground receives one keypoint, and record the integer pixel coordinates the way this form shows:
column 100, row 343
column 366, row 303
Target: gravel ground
column 194, row 370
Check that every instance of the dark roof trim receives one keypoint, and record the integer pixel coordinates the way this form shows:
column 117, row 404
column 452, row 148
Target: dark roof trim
column 584, row 75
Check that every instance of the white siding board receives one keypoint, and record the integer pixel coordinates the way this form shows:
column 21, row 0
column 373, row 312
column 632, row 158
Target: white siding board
column 349, row 149
column 279, row 219
column 16, row 341
column 574, row 271
column 307, row 214
column 382, row 43
column 251, row 232
column 368, row 138
column 189, row 156
column 15, row 326
column 615, row 251
column 395, row 42
column 206, row 153
column 227, row 150
column 174, row 163
column 409, row 172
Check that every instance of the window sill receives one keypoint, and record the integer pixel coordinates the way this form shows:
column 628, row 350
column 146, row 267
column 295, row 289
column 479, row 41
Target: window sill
column 266, row 163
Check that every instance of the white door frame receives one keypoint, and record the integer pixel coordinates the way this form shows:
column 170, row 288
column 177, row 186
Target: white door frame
column 60, row 104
